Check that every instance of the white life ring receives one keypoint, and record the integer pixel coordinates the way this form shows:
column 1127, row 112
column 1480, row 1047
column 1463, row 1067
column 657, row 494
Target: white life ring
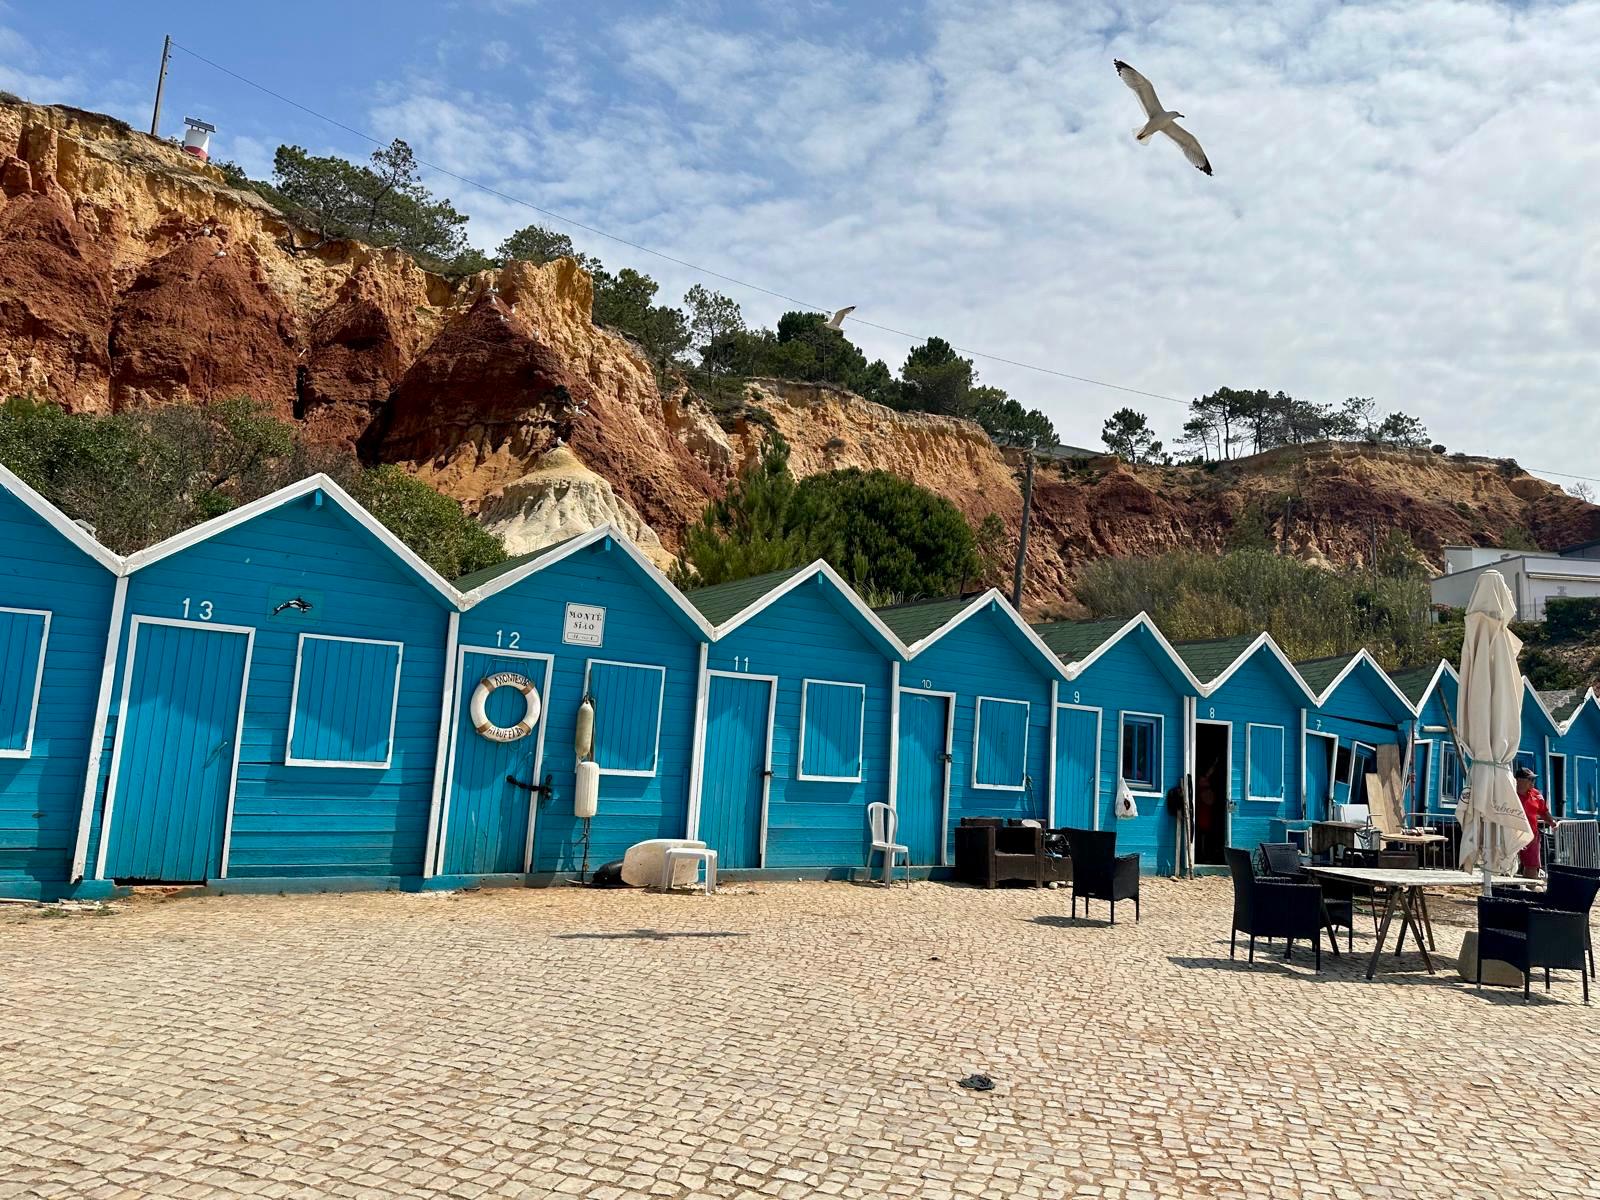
column 480, row 700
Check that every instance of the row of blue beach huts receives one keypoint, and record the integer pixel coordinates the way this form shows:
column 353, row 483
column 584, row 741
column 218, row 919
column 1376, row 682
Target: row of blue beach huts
column 287, row 697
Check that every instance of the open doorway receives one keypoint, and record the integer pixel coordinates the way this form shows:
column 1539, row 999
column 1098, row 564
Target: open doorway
column 1213, row 768
column 1558, row 785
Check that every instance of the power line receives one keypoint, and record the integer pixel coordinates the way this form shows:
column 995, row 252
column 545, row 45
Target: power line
column 707, row 271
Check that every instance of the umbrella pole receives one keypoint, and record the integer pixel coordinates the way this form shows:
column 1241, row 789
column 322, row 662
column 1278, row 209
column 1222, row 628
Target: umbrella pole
column 1461, row 757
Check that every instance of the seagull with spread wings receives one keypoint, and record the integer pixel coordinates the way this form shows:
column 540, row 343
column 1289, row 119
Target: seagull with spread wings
column 1158, row 119
column 837, row 320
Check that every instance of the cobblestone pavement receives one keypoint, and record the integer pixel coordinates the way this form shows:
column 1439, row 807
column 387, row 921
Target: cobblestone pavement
column 787, row 1040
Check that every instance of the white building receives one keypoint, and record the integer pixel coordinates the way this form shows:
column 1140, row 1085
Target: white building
column 1533, row 576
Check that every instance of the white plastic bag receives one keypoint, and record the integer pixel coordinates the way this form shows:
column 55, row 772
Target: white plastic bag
column 1125, row 808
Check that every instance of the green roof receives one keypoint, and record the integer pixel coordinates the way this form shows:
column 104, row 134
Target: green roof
column 478, row 578
column 915, row 621
column 1073, row 641
column 1564, row 703
column 1320, row 672
column 1211, row 658
column 1414, row 681
column 723, row 601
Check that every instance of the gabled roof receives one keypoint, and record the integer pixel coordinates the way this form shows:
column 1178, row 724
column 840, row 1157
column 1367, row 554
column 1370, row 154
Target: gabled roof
column 1562, row 704
column 480, row 585
column 1081, row 643
column 312, row 484
column 1324, row 675
column 1418, row 683
column 1586, row 701
column 1552, row 726
column 1215, row 661
column 730, row 605
column 59, row 521
column 924, row 623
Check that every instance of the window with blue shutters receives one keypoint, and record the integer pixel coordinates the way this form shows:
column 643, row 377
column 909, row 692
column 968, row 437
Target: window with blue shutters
column 1000, row 745
column 1264, row 749
column 24, row 633
column 832, row 716
column 1141, row 752
column 627, row 715
column 342, row 710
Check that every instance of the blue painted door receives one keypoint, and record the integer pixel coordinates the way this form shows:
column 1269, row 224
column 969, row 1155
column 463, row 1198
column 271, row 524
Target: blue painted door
column 1077, row 747
column 919, row 789
column 176, row 748
column 486, row 831
column 1319, row 776
column 735, row 762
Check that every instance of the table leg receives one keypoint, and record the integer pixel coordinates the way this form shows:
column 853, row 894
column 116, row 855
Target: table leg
column 1427, row 919
column 1383, row 930
column 1333, row 934
column 1413, row 902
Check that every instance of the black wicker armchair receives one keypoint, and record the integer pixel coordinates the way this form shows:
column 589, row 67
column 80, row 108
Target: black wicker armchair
column 1273, row 908
column 1526, row 935
column 1100, row 873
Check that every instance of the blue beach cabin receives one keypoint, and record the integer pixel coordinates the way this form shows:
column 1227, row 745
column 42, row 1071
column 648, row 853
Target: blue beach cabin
column 588, row 616
column 976, row 719
column 1359, row 709
column 1579, row 744
column 1253, row 773
column 1437, row 772
column 795, row 722
column 1123, row 716
column 274, row 712
column 58, row 587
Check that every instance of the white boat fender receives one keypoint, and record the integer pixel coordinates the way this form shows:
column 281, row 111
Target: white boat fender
column 583, row 739
column 480, row 700
column 586, row 795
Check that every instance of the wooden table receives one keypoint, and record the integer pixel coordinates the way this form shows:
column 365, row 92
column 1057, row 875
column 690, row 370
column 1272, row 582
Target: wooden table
column 1325, row 835
column 1404, row 891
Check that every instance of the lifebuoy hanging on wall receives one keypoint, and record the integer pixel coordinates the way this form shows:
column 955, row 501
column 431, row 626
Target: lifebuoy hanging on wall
column 480, row 702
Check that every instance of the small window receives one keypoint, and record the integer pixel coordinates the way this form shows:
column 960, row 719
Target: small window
column 1000, row 745
column 832, row 716
column 1141, row 752
column 1264, row 746
column 1449, row 776
column 1527, row 758
column 627, row 715
column 342, row 709
column 23, row 635
column 1341, row 765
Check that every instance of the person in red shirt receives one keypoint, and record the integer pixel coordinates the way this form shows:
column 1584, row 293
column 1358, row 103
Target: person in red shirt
column 1538, row 813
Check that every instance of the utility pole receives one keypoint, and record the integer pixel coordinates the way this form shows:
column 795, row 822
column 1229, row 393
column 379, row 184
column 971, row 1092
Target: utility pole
column 1022, row 547
column 161, row 83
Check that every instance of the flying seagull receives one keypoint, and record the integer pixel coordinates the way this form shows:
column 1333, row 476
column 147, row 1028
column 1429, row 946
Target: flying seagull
column 1160, row 120
column 837, row 320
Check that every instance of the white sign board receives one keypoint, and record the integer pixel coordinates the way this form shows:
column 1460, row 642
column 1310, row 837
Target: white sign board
column 585, row 625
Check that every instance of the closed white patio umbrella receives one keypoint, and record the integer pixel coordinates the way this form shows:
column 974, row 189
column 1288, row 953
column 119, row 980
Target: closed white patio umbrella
column 1489, row 722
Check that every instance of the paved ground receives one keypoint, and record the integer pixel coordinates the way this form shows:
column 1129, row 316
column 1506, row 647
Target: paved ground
column 787, row 1040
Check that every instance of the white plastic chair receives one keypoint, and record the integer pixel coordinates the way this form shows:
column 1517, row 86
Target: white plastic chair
column 884, row 823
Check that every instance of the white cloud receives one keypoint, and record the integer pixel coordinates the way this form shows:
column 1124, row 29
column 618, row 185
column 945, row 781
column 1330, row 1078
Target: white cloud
column 1402, row 206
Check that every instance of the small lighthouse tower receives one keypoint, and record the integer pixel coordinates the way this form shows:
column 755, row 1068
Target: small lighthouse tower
column 197, row 138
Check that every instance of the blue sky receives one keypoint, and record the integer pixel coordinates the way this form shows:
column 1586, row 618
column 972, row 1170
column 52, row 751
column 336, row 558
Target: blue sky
column 1404, row 203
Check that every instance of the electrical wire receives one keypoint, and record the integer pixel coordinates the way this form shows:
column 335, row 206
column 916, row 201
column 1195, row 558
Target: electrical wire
column 707, row 271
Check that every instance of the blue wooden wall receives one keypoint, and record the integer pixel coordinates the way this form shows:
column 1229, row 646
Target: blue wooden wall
column 1581, row 745
column 640, row 627
column 1132, row 677
column 807, row 634
column 985, row 656
column 1259, row 693
column 1434, row 729
column 294, row 821
column 40, row 795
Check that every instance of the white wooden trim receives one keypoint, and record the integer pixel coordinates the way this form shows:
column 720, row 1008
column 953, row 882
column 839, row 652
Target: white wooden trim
column 122, row 727
column 697, row 751
column 1264, row 640
column 59, row 521
column 1425, row 780
column 1577, row 772
column 97, row 733
column 26, row 749
column 289, row 757
column 818, row 568
column 1333, row 767
column 1075, row 669
column 1566, row 776
column 949, row 699
column 661, row 703
column 311, row 484
column 460, row 697
column 1159, row 790
column 1305, row 809
column 861, row 730
column 1227, row 775
column 977, row 739
column 1450, row 748
column 1099, row 755
column 1413, row 710
column 980, row 604
column 1283, row 760
column 538, row 765
column 894, row 737
column 766, row 767
column 442, row 750
column 582, row 542
column 1050, row 765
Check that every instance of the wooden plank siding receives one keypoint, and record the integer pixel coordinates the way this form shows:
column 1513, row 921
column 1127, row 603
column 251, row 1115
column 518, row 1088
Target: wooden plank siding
column 807, row 634
column 307, row 821
column 1581, row 744
column 1434, row 728
column 1259, row 693
column 982, row 658
column 41, row 793
column 641, row 628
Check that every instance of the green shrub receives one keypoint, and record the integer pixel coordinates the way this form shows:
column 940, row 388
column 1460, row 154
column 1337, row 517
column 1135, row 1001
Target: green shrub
column 1571, row 618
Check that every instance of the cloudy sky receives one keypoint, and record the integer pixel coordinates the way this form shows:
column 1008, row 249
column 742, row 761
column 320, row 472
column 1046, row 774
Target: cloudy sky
column 1404, row 206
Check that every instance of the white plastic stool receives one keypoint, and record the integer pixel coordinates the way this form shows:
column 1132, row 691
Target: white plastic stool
column 691, row 854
